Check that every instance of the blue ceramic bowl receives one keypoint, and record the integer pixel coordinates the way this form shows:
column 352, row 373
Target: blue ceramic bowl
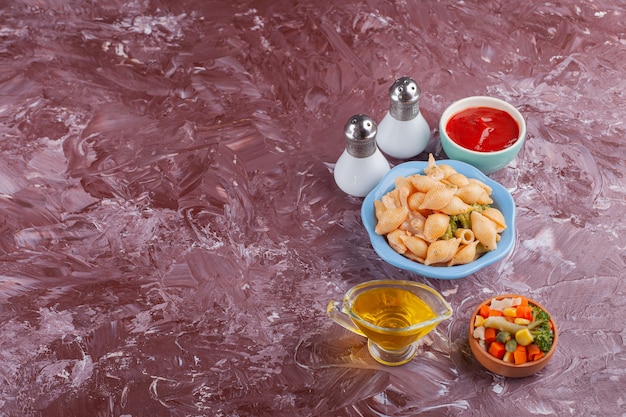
column 502, row 200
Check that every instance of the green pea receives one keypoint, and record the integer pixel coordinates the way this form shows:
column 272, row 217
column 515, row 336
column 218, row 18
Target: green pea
column 503, row 336
column 511, row 345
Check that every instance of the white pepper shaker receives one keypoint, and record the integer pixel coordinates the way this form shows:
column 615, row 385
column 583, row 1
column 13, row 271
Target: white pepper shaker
column 403, row 133
column 361, row 166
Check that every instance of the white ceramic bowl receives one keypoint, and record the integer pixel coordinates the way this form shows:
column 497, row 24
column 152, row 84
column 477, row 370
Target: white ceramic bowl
column 487, row 162
column 502, row 201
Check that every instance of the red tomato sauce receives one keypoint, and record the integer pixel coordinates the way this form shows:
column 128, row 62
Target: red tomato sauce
column 483, row 129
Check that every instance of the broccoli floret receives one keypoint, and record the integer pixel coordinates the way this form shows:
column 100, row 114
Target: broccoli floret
column 540, row 329
column 452, row 226
column 449, row 234
column 540, row 316
column 543, row 339
column 464, row 220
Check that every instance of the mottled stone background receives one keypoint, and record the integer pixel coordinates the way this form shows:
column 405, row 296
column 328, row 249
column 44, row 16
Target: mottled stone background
column 170, row 231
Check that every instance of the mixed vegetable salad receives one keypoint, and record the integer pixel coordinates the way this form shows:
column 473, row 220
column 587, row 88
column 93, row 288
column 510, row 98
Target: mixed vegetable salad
column 514, row 330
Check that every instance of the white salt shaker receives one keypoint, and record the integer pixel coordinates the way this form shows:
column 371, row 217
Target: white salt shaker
column 361, row 166
column 403, row 133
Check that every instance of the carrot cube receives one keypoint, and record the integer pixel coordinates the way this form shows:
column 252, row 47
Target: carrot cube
column 490, row 335
column 520, row 355
column 496, row 349
column 484, row 310
column 534, row 353
column 524, row 312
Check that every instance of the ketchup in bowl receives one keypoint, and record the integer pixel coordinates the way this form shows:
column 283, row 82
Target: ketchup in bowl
column 483, row 129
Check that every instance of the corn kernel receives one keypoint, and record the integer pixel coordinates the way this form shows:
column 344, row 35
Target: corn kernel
column 523, row 337
column 523, row 322
column 479, row 320
column 508, row 357
column 510, row 312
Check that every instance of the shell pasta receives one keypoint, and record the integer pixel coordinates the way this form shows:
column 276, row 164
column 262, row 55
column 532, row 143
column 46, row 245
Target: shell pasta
column 439, row 218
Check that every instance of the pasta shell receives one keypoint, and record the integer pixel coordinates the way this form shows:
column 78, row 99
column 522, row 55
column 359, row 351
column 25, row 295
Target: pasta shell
column 411, row 256
column 456, row 206
column 402, row 182
column 414, row 223
column 415, row 200
column 466, row 236
column 432, row 170
column 441, row 251
column 404, row 189
column 495, row 216
column 484, row 230
column 417, row 246
column 437, row 198
column 473, row 193
column 396, row 242
column 435, row 226
column 485, row 199
column 424, row 183
column 392, row 199
column 465, row 254
column 391, row 219
column 379, row 208
column 458, row 179
column 447, row 170
column 481, row 184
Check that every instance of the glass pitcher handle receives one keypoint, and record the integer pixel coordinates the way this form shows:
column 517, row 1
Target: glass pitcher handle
column 335, row 312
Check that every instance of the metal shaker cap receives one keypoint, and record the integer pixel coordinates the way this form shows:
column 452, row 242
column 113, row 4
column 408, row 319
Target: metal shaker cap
column 404, row 97
column 360, row 132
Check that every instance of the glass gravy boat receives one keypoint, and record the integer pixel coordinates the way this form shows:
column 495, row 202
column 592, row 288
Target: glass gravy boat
column 392, row 314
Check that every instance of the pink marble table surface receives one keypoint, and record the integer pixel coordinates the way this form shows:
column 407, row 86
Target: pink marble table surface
column 171, row 233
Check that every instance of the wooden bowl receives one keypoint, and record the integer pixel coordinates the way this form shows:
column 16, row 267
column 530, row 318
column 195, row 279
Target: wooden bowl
column 500, row 367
